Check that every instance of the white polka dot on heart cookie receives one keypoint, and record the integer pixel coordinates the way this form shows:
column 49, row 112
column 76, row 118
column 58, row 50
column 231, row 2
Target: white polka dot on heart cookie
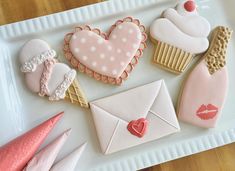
column 122, row 63
column 114, row 72
column 93, row 48
column 114, row 36
column 139, row 36
column 76, row 50
column 124, row 40
column 135, row 46
column 74, row 37
column 120, row 27
column 119, row 50
column 90, row 33
column 94, row 64
column 110, row 47
column 100, row 41
column 104, row 68
column 112, row 58
column 128, row 54
column 84, row 58
column 83, row 40
column 102, row 56
column 130, row 31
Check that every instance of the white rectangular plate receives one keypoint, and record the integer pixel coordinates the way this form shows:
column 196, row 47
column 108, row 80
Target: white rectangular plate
column 20, row 109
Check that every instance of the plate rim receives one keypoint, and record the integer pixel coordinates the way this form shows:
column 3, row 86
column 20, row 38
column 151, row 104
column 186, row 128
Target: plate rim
column 91, row 12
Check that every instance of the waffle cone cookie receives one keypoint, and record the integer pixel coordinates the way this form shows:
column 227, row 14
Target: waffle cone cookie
column 46, row 76
column 178, row 36
column 75, row 95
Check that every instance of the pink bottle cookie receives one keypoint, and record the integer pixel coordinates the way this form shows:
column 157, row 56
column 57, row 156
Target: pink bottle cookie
column 205, row 89
column 178, row 35
column 46, row 76
column 106, row 57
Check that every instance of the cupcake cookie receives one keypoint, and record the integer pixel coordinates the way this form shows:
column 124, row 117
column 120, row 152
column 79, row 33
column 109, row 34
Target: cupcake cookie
column 46, row 76
column 106, row 57
column 180, row 34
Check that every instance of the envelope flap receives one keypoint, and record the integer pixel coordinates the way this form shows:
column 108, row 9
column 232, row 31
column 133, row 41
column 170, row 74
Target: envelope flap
column 122, row 139
column 163, row 107
column 132, row 104
column 105, row 124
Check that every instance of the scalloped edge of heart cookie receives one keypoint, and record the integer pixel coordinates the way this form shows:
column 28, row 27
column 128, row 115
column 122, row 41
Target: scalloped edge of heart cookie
column 104, row 78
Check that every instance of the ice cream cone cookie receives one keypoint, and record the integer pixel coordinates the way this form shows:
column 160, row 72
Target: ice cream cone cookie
column 180, row 34
column 47, row 77
column 16, row 154
column 205, row 89
column 106, row 57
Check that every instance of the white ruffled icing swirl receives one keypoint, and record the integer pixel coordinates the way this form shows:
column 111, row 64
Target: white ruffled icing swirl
column 59, row 92
column 183, row 29
column 31, row 64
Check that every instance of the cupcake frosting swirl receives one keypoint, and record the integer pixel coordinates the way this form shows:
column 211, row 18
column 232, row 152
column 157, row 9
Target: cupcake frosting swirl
column 182, row 27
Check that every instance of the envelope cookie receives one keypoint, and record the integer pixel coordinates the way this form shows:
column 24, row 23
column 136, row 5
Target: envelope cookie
column 178, row 35
column 46, row 76
column 106, row 57
column 205, row 89
column 134, row 117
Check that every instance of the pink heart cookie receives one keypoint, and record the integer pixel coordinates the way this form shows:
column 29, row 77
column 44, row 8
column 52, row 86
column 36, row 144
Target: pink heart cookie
column 106, row 57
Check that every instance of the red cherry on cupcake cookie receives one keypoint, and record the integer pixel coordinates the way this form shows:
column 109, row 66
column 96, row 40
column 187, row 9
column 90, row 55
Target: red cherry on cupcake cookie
column 190, row 6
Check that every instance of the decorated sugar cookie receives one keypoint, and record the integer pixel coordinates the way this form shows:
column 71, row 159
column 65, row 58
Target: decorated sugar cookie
column 180, row 34
column 134, row 117
column 46, row 76
column 106, row 57
column 205, row 89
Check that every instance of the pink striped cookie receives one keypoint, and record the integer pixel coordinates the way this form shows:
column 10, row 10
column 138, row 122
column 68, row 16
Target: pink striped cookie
column 108, row 57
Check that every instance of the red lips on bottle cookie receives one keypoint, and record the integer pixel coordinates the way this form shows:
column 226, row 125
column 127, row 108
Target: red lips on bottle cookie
column 138, row 127
column 106, row 57
column 206, row 112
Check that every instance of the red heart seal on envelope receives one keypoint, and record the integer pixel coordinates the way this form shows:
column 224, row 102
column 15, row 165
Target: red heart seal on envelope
column 106, row 57
column 138, row 127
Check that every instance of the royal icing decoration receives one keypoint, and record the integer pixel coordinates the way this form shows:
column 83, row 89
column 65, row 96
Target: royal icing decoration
column 31, row 65
column 205, row 90
column 216, row 59
column 138, row 127
column 61, row 89
column 107, row 57
column 183, row 28
column 206, row 112
column 48, row 66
